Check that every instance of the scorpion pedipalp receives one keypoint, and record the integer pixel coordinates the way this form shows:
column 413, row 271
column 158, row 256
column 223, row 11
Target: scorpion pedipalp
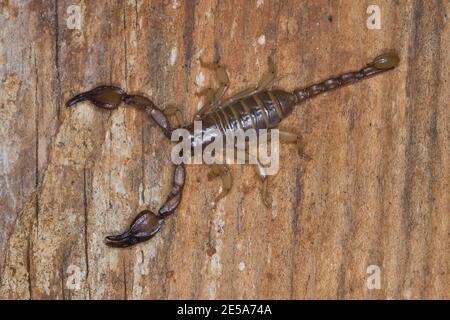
column 144, row 226
column 106, row 97
column 147, row 223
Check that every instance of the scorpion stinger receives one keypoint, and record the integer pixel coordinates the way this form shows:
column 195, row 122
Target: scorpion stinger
column 147, row 223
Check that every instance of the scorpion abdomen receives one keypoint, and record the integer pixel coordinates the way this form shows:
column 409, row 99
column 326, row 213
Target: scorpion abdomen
column 261, row 110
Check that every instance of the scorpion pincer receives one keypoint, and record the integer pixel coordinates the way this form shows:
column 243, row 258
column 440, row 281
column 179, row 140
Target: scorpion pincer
column 254, row 108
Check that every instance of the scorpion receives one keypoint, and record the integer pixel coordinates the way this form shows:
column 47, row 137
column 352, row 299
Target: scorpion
column 254, row 108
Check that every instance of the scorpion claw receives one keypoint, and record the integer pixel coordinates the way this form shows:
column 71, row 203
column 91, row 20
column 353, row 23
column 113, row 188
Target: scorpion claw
column 118, row 237
column 106, row 97
column 144, row 226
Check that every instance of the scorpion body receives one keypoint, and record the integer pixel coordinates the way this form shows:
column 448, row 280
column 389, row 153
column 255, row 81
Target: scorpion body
column 254, row 108
column 261, row 110
column 265, row 109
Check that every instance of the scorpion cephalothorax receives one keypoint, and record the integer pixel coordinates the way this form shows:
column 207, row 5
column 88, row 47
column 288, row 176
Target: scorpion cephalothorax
column 254, row 108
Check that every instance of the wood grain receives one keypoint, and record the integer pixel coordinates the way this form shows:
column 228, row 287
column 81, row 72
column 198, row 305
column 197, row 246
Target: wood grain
column 376, row 191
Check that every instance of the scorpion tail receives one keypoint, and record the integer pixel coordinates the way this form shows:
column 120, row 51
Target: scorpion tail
column 380, row 64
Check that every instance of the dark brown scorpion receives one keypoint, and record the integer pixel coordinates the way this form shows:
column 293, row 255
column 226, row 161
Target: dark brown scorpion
column 254, row 108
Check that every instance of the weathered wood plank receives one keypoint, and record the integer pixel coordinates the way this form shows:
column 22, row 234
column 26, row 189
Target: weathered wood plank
column 374, row 193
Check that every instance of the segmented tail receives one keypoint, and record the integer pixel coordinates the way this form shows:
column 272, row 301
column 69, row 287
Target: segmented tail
column 380, row 64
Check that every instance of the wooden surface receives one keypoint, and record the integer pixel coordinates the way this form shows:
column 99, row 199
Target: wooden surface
column 376, row 191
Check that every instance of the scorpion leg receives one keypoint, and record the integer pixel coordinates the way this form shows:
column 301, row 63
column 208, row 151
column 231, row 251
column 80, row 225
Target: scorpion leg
column 240, row 95
column 224, row 172
column 265, row 194
column 222, row 77
column 224, row 84
column 252, row 156
column 289, row 137
column 261, row 171
column 171, row 110
column 208, row 93
column 284, row 136
column 266, row 79
column 301, row 149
